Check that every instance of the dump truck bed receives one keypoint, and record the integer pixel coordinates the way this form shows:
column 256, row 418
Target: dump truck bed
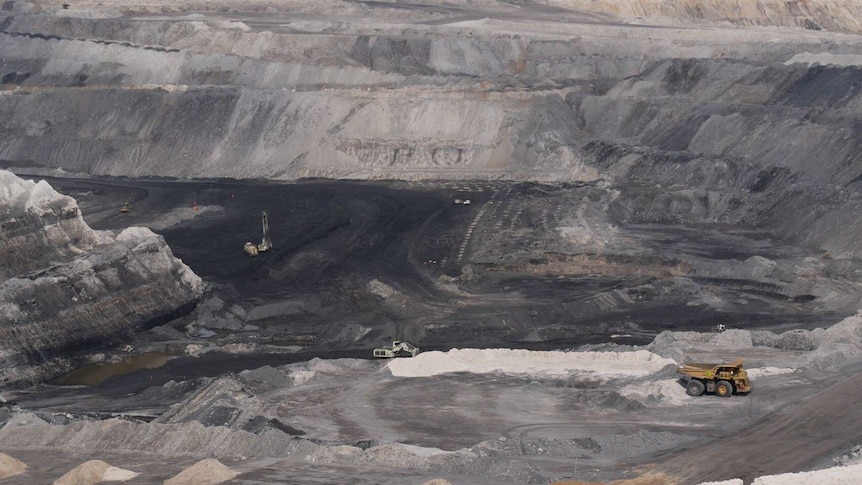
column 699, row 370
column 700, row 366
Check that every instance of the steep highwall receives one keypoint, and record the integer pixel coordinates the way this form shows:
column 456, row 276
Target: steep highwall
column 208, row 97
column 719, row 124
column 243, row 133
column 776, row 146
column 68, row 288
column 836, row 15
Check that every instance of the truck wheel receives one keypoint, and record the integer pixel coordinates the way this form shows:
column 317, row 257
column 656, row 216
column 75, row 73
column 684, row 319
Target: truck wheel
column 694, row 388
column 723, row 389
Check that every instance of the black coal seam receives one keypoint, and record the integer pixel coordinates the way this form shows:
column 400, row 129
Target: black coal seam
column 105, row 42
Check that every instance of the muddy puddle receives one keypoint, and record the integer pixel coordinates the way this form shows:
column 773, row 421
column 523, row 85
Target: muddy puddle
column 95, row 374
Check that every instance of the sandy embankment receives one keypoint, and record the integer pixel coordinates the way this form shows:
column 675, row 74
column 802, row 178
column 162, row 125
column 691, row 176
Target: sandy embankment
column 517, row 361
column 95, row 471
column 10, row 466
column 204, row 472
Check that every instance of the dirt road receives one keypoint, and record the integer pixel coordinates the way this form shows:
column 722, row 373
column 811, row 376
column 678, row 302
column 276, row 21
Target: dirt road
column 796, row 437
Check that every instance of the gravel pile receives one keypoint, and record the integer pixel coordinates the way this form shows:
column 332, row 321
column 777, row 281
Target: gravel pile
column 823, row 348
column 265, row 379
column 204, row 472
column 191, row 438
column 665, row 391
column 802, row 340
column 94, row 471
column 318, row 369
column 674, row 345
column 10, row 466
column 481, row 460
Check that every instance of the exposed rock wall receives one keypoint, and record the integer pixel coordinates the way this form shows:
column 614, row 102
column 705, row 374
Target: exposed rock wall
column 68, row 287
column 39, row 226
column 388, row 97
column 837, row 15
column 721, row 124
column 775, row 146
column 246, row 133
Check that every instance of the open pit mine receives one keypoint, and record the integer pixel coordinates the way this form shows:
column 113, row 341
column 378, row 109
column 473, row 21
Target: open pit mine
column 437, row 242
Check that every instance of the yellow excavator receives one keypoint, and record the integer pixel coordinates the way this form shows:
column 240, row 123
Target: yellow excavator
column 265, row 244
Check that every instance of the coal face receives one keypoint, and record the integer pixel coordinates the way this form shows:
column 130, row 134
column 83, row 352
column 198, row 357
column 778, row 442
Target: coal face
column 355, row 265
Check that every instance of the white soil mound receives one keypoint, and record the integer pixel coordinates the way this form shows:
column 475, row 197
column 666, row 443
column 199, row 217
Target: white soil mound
column 10, row 466
column 114, row 474
column 94, row 471
column 666, row 391
column 437, row 481
column 204, row 472
column 840, row 475
column 768, row 371
column 513, row 361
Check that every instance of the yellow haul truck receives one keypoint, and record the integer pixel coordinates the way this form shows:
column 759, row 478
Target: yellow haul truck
column 722, row 379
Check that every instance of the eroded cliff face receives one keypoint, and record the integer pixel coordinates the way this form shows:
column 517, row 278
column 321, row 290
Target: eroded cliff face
column 68, row 288
column 836, row 15
column 387, row 91
column 691, row 123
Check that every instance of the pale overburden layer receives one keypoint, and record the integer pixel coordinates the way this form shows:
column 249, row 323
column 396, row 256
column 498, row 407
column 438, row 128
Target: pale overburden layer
column 515, row 361
column 837, row 15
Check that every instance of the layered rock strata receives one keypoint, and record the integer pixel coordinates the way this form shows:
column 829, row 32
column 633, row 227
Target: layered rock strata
column 67, row 287
column 841, row 15
column 728, row 124
column 415, row 92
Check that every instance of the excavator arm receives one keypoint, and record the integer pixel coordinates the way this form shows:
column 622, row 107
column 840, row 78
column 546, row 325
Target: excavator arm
column 265, row 243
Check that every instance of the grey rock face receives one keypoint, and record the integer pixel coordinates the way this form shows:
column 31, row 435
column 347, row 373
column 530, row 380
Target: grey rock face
column 415, row 95
column 723, row 125
column 68, row 287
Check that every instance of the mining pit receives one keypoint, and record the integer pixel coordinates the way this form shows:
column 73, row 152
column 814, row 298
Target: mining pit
column 558, row 201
